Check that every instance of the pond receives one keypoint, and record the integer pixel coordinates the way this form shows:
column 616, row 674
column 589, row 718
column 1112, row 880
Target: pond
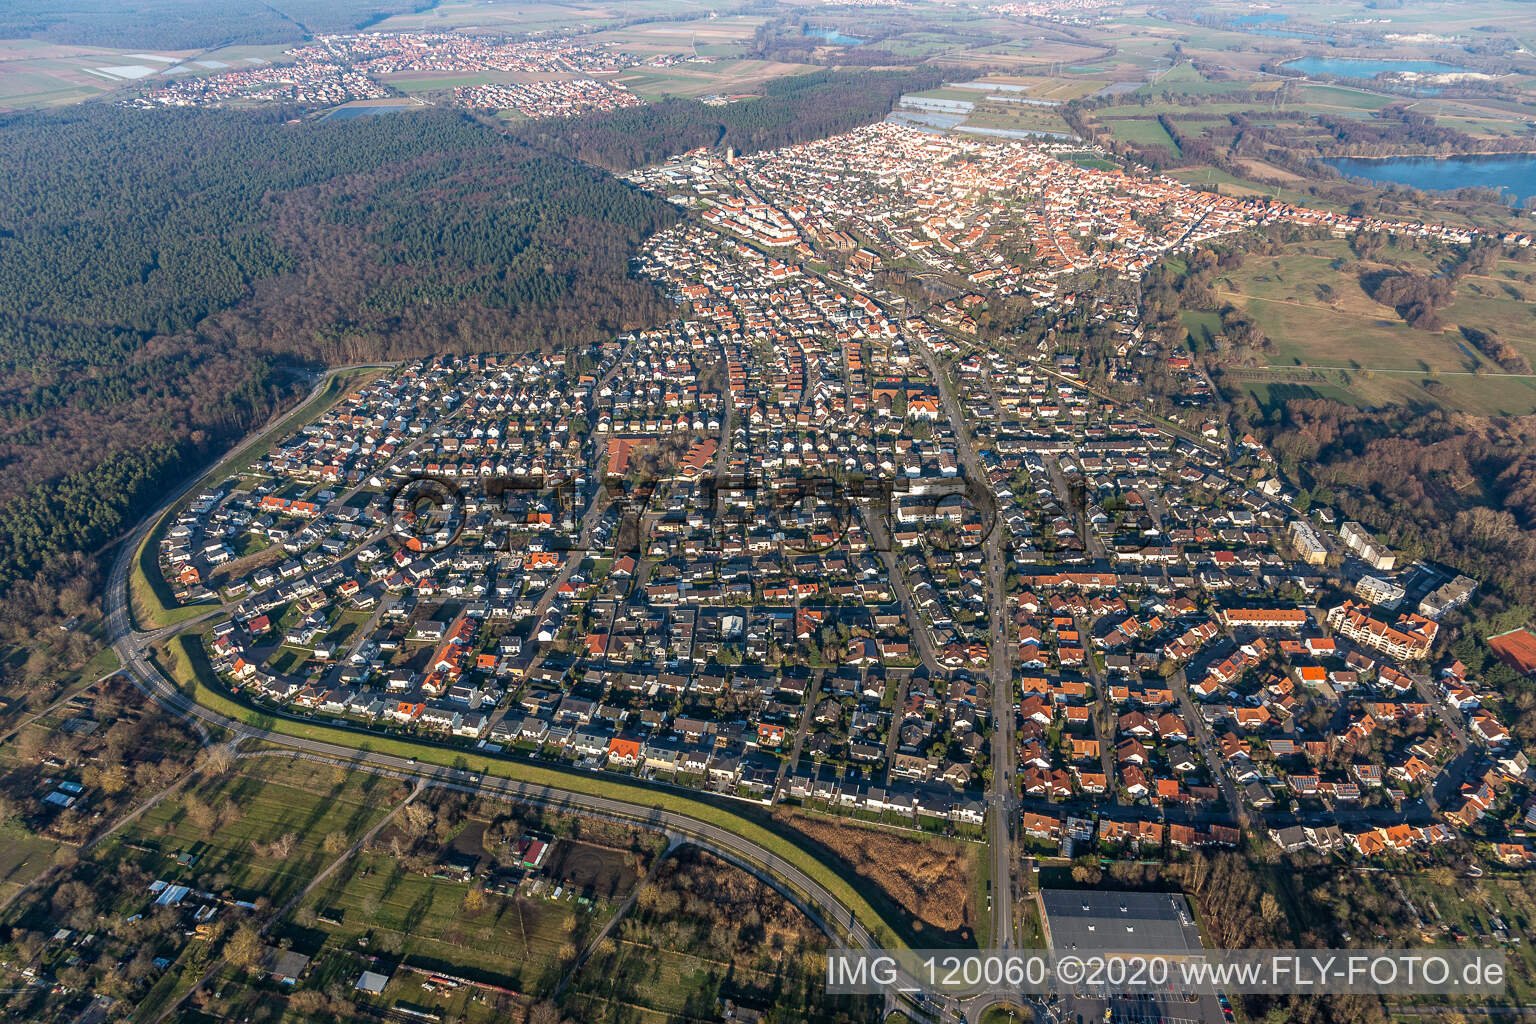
column 1512, row 173
column 1354, row 67
column 370, row 110
column 833, row 36
column 1267, row 18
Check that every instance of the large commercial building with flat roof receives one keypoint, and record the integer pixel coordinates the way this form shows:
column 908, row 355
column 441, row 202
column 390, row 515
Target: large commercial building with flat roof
column 1084, row 923
column 1122, row 922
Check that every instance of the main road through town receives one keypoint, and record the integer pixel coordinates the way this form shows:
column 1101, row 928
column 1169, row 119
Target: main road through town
column 1003, row 798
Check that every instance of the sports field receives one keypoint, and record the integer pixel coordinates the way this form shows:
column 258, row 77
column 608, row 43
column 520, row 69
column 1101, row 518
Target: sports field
column 1516, row 649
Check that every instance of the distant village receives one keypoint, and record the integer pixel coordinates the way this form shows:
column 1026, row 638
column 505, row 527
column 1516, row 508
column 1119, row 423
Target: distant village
column 554, row 76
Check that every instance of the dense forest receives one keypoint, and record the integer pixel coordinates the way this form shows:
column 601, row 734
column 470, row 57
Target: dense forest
column 162, row 276
column 791, row 110
column 176, row 25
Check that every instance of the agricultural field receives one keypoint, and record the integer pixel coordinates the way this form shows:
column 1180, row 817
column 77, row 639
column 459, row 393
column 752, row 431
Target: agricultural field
column 1062, row 89
column 1341, row 99
column 715, row 37
column 39, row 74
column 582, row 15
column 1145, row 130
column 1026, row 56
column 1185, row 80
column 1025, row 117
column 922, row 44
column 1228, row 184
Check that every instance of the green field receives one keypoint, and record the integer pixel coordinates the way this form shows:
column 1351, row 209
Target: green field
column 1340, row 98
column 1203, row 326
column 1310, row 334
column 1317, row 317
column 1230, row 184
column 694, row 80
column 540, row 16
column 1313, row 308
column 1142, row 132
column 23, row 857
column 1060, row 88
column 1185, row 80
column 260, row 802
column 1092, row 162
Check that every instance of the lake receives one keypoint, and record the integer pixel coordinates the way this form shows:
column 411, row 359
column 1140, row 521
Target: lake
column 369, row 108
column 833, row 36
column 1351, row 67
column 1270, row 18
column 1264, row 25
column 1511, row 173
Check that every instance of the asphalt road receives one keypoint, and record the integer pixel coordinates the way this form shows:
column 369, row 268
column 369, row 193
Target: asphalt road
column 1002, row 800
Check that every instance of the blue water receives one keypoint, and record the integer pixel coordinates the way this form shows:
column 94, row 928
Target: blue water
column 1264, row 25
column 1348, row 67
column 833, row 36
column 1513, row 174
column 348, row 113
column 1284, row 33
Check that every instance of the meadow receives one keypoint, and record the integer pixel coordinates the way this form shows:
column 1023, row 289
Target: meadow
column 1321, row 318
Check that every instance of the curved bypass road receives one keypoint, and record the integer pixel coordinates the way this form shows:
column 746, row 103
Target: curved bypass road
column 829, row 913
